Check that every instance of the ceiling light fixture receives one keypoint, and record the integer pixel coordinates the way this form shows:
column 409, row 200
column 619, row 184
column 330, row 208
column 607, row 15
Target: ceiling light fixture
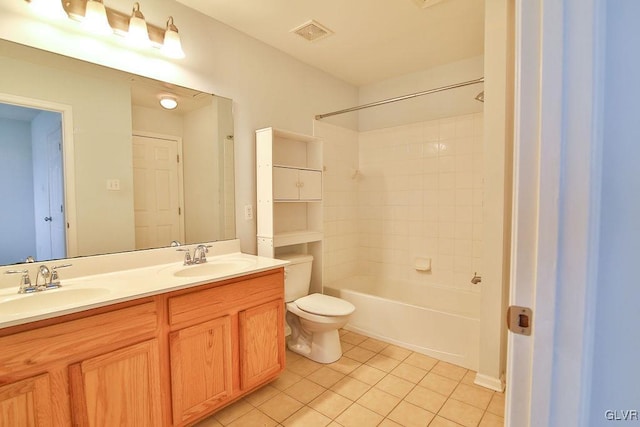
column 172, row 46
column 95, row 18
column 138, row 34
column 168, row 102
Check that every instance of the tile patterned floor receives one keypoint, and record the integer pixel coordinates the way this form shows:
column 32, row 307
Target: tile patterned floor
column 373, row 384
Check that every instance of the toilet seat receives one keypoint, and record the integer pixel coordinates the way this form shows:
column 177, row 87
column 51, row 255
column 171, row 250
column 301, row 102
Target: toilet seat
column 324, row 305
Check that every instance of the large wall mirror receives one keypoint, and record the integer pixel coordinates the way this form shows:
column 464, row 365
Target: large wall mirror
column 93, row 164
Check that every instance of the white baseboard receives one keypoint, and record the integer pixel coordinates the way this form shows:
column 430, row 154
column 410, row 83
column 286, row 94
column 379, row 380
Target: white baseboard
column 492, row 383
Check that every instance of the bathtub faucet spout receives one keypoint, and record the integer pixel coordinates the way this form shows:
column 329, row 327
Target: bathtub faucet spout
column 476, row 279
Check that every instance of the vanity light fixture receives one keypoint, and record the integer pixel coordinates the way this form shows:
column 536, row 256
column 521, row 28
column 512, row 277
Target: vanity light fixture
column 168, row 102
column 95, row 18
column 98, row 18
column 138, row 34
column 172, row 46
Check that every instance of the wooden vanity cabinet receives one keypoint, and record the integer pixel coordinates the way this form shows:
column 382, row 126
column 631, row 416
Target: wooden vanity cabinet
column 167, row 360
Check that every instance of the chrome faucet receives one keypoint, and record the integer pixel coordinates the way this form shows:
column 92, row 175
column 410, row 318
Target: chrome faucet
column 49, row 276
column 199, row 255
column 476, row 279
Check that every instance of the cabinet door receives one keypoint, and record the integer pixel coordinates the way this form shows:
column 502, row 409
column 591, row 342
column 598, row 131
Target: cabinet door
column 261, row 331
column 26, row 403
column 310, row 185
column 201, row 368
column 285, row 183
column 121, row 387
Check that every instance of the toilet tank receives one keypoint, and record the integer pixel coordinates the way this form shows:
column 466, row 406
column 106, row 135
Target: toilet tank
column 297, row 275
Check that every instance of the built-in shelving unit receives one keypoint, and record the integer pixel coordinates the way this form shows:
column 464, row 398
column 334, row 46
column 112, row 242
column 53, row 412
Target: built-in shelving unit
column 289, row 193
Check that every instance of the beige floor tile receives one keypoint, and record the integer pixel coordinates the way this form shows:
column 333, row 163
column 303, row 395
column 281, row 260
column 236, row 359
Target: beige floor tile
column 344, row 365
column 325, row 376
column 233, row 412
column 350, row 388
column 307, row 417
column 373, row 344
column 382, row 362
column 491, row 420
column 409, row 372
column 353, row 338
column 461, row 413
column 280, row 407
column 395, row 386
column 469, row 378
column 262, row 395
column 438, row 421
column 358, row 416
column 286, row 380
column 496, row 406
column 396, row 352
column 409, row 415
column 438, row 384
column 255, row 418
column 208, row 422
column 421, row 361
column 473, row 395
column 426, row 399
column 367, row 374
column 388, row 423
column 346, row 346
column 330, row 404
column 378, row 401
column 292, row 357
column 305, row 391
column 304, row 366
column 449, row 370
column 360, row 354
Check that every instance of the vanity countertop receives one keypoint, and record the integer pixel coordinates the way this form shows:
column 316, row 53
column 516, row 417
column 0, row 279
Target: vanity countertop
column 97, row 290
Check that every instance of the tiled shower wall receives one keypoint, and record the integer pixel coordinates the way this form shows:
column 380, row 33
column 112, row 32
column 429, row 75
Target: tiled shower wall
column 397, row 194
column 420, row 193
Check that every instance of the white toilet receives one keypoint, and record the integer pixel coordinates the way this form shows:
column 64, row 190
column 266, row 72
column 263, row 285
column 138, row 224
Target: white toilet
column 314, row 319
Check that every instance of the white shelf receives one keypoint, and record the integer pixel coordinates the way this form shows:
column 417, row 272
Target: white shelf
column 296, row 238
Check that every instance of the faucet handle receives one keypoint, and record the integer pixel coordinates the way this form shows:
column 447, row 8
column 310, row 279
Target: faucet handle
column 25, row 281
column 55, row 279
column 187, row 256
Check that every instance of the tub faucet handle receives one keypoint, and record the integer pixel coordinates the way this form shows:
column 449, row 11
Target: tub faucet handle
column 476, row 279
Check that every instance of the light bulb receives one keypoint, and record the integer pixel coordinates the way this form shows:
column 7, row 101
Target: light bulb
column 51, row 9
column 95, row 18
column 138, row 34
column 172, row 46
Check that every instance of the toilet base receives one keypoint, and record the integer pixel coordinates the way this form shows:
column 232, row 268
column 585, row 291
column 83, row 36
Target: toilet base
column 324, row 346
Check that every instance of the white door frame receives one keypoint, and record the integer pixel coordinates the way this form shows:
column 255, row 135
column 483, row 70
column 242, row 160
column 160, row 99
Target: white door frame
column 67, row 159
column 559, row 59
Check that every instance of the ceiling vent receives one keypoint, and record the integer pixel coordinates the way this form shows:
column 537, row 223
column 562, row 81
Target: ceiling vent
column 426, row 3
column 312, row 31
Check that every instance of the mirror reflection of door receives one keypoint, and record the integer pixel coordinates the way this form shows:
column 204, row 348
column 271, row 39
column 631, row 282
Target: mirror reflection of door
column 157, row 196
column 32, row 184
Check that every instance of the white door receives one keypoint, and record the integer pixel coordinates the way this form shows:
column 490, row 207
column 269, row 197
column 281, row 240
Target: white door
column 285, row 183
column 157, row 195
column 56, row 193
column 310, row 185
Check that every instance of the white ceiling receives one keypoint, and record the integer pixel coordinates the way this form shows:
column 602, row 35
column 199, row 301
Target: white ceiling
column 373, row 40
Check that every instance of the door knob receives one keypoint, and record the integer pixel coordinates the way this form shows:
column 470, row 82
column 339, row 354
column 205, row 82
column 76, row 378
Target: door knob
column 48, row 218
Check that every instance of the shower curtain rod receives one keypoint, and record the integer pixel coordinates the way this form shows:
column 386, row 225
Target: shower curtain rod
column 401, row 98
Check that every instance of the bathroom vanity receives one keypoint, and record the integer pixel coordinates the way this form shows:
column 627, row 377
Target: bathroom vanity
column 190, row 342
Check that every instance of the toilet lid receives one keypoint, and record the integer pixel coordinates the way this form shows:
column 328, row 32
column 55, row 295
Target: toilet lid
column 325, row 305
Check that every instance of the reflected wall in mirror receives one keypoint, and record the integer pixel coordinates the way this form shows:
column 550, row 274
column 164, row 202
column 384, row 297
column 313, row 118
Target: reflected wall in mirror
column 92, row 164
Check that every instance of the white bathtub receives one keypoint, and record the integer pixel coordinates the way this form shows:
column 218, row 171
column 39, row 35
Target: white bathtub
column 436, row 321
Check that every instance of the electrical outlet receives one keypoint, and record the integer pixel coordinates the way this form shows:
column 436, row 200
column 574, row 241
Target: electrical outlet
column 113, row 184
column 248, row 212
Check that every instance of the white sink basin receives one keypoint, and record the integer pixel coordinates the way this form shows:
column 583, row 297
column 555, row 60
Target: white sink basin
column 51, row 299
column 213, row 268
